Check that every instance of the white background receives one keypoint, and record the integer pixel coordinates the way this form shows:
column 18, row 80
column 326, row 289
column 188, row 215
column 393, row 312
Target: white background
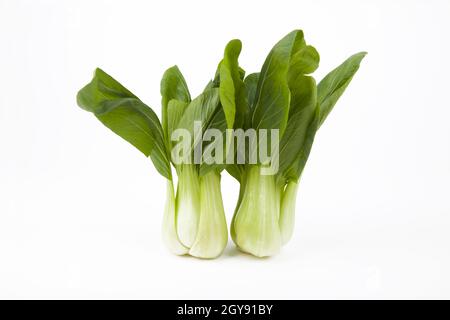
column 81, row 209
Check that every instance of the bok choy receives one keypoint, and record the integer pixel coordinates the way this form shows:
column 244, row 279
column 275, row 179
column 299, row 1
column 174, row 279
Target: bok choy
column 194, row 219
column 196, row 137
column 283, row 96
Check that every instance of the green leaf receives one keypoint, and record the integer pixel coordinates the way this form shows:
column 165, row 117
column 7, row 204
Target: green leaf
column 200, row 109
column 235, row 170
column 334, row 84
column 122, row 112
column 175, row 110
column 229, row 79
column 306, row 150
column 295, row 170
column 241, row 73
column 217, row 122
column 209, row 85
column 229, row 72
column 305, row 61
column 299, row 42
column 232, row 89
column 302, row 110
column 173, row 86
column 272, row 93
column 251, row 83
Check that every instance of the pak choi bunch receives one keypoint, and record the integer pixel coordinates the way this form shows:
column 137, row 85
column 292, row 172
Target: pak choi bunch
column 195, row 137
column 283, row 96
column 194, row 220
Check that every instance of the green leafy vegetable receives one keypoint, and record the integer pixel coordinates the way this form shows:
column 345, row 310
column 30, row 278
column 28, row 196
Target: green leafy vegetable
column 272, row 95
column 173, row 86
column 282, row 97
column 334, row 84
column 232, row 94
column 286, row 98
column 122, row 112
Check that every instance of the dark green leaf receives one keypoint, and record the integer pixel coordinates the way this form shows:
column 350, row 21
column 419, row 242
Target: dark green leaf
column 236, row 171
column 251, row 82
column 217, row 122
column 200, row 109
column 306, row 150
column 241, row 73
column 302, row 110
column 299, row 42
column 229, row 80
column 209, row 85
column 305, row 61
column 272, row 94
column 122, row 112
column 173, row 86
column 334, row 84
column 232, row 89
column 229, row 72
column 175, row 110
column 295, row 170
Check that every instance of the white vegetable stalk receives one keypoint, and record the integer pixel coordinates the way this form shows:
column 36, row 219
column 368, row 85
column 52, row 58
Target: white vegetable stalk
column 187, row 204
column 194, row 222
column 287, row 214
column 212, row 234
column 169, row 229
column 256, row 228
column 265, row 216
